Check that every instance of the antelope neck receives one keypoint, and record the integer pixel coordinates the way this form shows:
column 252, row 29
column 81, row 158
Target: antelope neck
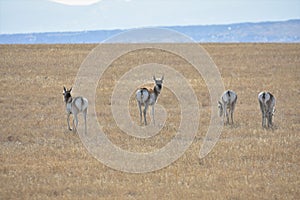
column 156, row 91
column 69, row 100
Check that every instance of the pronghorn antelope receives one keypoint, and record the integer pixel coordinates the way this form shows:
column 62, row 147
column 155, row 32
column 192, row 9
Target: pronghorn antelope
column 146, row 97
column 228, row 101
column 75, row 106
column 267, row 107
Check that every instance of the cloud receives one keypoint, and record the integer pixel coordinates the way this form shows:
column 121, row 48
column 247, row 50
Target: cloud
column 76, row 2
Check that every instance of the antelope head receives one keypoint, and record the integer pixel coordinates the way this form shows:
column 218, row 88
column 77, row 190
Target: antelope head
column 67, row 94
column 158, row 83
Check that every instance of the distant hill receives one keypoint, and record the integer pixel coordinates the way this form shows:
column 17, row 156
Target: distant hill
column 281, row 31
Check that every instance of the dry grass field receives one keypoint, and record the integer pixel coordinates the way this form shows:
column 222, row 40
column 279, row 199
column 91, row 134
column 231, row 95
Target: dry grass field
column 41, row 159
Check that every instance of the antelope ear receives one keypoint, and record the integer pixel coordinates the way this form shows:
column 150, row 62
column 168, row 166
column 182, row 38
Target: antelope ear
column 154, row 78
column 65, row 89
column 70, row 89
column 162, row 78
column 219, row 103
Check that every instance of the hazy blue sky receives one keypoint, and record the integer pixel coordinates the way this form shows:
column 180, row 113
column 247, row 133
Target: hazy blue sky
column 23, row 16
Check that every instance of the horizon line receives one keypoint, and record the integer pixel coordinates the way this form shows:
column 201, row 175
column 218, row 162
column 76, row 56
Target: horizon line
column 141, row 27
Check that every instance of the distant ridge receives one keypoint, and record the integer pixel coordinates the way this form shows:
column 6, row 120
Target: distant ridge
column 280, row 31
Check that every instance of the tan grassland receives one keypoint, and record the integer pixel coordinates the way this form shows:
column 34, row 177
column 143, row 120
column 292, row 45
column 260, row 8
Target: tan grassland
column 41, row 159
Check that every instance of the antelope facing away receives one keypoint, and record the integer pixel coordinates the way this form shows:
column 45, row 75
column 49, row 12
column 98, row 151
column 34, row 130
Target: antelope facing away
column 75, row 106
column 267, row 106
column 148, row 96
column 228, row 102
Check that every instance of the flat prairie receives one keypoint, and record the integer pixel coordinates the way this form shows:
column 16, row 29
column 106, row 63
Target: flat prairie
column 41, row 159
